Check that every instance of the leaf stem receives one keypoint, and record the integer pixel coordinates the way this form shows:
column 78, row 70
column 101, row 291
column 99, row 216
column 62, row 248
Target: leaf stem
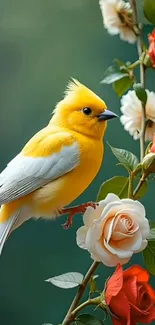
column 123, row 188
column 67, row 320
column 135, row 64
column 142, row 77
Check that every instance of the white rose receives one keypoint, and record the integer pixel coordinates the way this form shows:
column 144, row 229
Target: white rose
column 131, row 108
column 117, row 19
column 114, row 231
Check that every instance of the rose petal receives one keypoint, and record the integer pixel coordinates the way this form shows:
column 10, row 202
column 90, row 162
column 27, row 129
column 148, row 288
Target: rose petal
column 143, row 224
column 136, row 205
column 95, row 257
column 91, row 214
column 111, row 223
column 106, row 228
column 127, row 35
column 117, row 236
column 114, row 249
column 142, row 316
column 109, row 211
column 138, row 219
column 132, row 243
column 92, row 236
column 121, row 222
column 81, row 237
column 106, row 257
column 119, row 306
column 150, row 291
column 144, row 300
column 111, row 197
column 126, row 223
column 141, row 274
column 144, row 228
column 130, row 289
column 114, row 284
column 144, row 244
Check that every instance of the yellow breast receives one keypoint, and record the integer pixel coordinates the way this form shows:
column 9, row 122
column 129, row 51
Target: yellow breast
column 64, row 190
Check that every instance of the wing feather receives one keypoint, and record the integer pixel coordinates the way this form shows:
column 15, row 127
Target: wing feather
column 24, row 175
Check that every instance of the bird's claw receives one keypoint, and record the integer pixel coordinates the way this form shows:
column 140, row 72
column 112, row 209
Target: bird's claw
column 84, row 206
column 79, row 209
column 67, row 224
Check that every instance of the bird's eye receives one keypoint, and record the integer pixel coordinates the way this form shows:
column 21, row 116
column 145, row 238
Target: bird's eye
column 86, row 110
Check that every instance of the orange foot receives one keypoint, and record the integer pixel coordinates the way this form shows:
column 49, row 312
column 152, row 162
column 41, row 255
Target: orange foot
column 74, row 210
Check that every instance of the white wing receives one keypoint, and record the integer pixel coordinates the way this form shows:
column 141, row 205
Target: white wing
column 24, row 175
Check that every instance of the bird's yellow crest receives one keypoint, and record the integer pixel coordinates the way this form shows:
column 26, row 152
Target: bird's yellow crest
column 72, row 86
column 80, row 110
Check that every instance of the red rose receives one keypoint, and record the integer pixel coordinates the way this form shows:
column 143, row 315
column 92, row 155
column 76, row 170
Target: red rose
column 129, row 296
column 153, row 145
column 151, row 50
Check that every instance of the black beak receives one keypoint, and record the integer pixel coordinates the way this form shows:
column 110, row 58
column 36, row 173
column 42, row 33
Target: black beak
column 106, row 115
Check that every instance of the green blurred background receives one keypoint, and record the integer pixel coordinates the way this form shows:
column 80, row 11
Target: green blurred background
column 43, row 44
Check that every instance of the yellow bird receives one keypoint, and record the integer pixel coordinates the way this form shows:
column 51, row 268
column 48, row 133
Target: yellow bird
column 57, row 164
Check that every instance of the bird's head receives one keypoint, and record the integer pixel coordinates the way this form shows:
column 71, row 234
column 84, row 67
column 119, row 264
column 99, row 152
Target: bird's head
column 82, row 110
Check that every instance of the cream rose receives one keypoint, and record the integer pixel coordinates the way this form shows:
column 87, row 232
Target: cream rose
column 114, row 231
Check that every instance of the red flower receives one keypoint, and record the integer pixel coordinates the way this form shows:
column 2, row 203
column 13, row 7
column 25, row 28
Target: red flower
column 151, row 50
column 153, row 145
column 129, row 296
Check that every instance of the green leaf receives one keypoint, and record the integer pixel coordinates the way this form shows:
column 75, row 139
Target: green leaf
column 152, row 234
column 123, row 66
column 152, row 224
column 117, row 185
column 118, row 75
column 120, row 63
column 112, row 74
column 126, row 158
column 67, row 280
column 149, row 257
column 140, row 93
column 149, row 10
column 142, row 18
column 122, row 85
column 88, row 320
column 142, row 191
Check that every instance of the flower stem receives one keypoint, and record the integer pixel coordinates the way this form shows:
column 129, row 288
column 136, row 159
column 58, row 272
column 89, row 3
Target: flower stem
column 142, row 138
column 130, row 188
column 139, row 185
column 142, row 77
column 68, row 319
column 95, row 301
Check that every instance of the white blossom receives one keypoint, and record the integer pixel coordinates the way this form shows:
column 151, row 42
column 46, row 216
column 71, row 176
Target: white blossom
column 131, row 107
column 117, row 19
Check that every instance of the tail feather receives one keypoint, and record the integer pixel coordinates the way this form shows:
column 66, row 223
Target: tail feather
column 5, row 228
